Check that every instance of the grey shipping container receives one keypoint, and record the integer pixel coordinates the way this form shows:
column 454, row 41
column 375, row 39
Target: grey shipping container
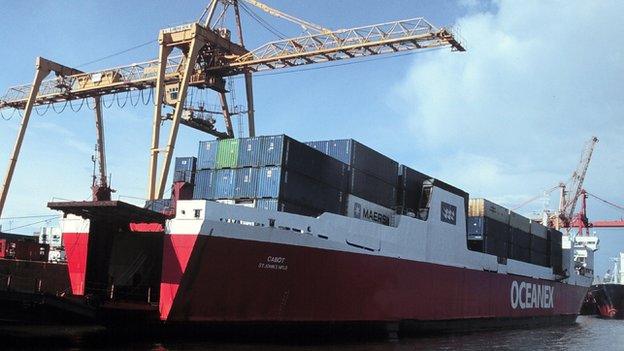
column 184, row 169
column 488, row 228
column 519, row 253
column 539, row 245
column 486, row 208
column 224, row 183
column 539, row 258
column 554, row 238
column 207, row 154
column 246, row 180
column 495, row 247
column 282, row 150
column 409, row 189
column 520, row 238
column 537, row 229
column 361, row 157
column 204, row 185
column 372, row 189
column 519, row 222
column 298, row 189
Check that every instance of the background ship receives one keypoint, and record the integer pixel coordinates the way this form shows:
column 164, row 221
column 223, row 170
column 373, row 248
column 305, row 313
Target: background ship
column 607, row 297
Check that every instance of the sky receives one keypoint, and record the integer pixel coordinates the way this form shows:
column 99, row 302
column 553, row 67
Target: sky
column 505, row 120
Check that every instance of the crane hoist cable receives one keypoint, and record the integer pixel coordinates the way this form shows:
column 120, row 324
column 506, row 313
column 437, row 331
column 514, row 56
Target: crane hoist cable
column 549, row 191
column 261, row 21
column 621, row 208
column 117, row 53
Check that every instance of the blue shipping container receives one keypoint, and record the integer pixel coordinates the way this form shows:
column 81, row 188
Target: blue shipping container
column 207, row 154
column 272, row 150
column 224, row 183
column 269, row 181
column 267, row 204
column 250, row 152
column 475, row 226
column 319, row 145
column 184, row 169
column 204, row 185
column 246, row 183
column 360, row 157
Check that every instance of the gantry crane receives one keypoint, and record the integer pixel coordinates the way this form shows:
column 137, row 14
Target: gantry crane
column 569, row 193
column 209, row 56
column 569, row 197
column 582, row 222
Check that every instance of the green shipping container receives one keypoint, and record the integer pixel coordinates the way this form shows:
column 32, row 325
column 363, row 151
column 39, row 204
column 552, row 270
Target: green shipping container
column 227, row 154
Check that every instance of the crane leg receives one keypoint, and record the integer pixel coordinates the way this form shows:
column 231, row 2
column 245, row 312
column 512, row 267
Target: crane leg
column 101, row 142
column 250, row 104
column 226, row 115
column 159, row 92
column 42, row 71
column 101, row 191
column 191, row 58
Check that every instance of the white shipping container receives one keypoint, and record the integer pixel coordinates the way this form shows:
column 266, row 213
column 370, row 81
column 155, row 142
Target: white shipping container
column 368, row 211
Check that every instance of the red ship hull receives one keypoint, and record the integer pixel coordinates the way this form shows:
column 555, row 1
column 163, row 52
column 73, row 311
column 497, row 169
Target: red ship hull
column 224, row 280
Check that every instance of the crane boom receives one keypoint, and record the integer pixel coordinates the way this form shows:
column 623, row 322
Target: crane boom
column 377, row 39
column 578, row 177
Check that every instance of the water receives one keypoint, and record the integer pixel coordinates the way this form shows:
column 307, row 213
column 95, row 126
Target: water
column 590, row 333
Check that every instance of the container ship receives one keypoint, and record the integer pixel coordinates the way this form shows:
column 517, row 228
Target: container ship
column 270, row 231
column 607, row 298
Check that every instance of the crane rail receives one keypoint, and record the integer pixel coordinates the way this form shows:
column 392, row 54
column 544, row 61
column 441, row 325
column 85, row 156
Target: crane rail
column 390, row 37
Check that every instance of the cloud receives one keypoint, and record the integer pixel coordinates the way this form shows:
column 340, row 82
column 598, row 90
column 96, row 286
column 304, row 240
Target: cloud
column 509, row 117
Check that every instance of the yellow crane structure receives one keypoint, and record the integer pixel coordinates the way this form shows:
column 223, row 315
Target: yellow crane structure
column 209, row 55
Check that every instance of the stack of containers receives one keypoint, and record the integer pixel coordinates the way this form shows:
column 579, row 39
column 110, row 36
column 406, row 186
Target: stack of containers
column 488, row 229
column 206, row 170
column 275, row 172
column 555, row 250
column 539, row 244
column 184, row 169
column 520, row 228
column 495, row 230
column 373, row 176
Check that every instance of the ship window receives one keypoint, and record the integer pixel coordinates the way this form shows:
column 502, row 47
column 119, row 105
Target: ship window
column 197, row 213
